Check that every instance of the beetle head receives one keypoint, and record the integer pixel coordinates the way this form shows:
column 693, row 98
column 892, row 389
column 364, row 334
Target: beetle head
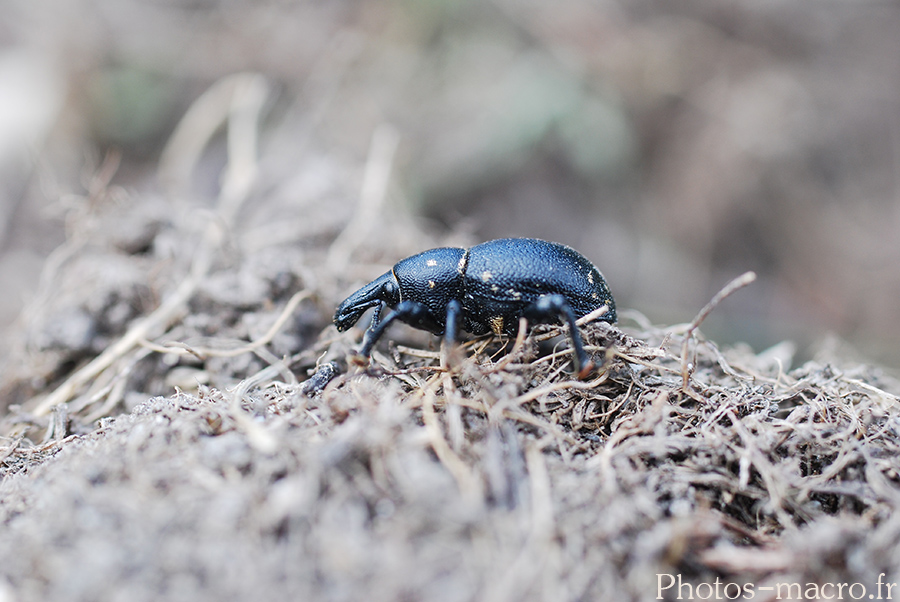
column 383, row 289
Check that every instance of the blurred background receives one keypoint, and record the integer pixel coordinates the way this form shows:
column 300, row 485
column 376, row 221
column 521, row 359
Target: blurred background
column 677, row 145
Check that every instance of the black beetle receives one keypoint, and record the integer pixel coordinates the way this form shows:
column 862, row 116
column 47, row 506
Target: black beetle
column 484, row 289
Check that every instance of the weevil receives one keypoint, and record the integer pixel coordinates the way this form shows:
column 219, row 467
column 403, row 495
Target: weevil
column 483, row 289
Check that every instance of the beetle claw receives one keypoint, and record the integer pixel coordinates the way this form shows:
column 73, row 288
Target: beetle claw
column 357, row 359
column 586, row 370
column 452, row 356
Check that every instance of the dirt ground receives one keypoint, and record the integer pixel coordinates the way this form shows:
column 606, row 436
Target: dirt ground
column 158, row 440
column 499, row 478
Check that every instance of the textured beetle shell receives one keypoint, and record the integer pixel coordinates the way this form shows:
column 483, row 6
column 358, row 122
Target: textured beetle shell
column 504, row 276
column 492, row 284
column 497, row 280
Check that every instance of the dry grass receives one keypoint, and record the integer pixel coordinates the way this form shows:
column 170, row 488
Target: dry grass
column 493, row 482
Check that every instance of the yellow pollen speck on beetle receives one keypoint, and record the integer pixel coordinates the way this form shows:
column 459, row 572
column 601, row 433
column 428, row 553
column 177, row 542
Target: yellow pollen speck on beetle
column 431, row 284
column 590, row 278
column 486, row 275
column 431, row 263
column 497, row 325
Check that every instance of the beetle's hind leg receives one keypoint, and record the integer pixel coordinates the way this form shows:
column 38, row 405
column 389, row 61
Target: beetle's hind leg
column 548, row 309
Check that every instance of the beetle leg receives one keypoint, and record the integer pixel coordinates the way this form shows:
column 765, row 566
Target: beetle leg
column 451, row 328
column 406, row 311
column 376, row 316
column 454, row 310
column 550, row 307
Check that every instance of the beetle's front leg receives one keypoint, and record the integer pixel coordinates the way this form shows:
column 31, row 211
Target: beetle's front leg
column 376, row 316
column 408, row 311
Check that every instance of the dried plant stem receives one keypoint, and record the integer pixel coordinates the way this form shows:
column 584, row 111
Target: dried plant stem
column 179, row 348
column 533, row 559
column 517, row 346
column 374, row 190
column 244, row 103
column 730, row 288
column 467, row 482
column 557, row 386
column 590, row 317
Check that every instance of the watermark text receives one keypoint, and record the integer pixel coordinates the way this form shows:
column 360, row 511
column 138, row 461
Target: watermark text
column 672, row 587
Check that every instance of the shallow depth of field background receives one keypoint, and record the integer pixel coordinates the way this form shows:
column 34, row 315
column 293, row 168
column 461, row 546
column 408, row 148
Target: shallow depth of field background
column 675, row 146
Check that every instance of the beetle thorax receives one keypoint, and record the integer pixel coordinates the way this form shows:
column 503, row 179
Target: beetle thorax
column 432, row 278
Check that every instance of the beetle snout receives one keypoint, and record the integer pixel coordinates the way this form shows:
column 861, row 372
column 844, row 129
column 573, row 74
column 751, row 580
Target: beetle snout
column 381, row 290
column 347, row 315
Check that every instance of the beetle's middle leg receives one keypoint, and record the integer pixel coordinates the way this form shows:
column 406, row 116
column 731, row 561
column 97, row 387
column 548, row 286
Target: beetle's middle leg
column 549, row 308
column 451, row 330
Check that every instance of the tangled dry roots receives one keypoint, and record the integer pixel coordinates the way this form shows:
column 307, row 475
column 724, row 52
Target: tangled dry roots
column 502, row 479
